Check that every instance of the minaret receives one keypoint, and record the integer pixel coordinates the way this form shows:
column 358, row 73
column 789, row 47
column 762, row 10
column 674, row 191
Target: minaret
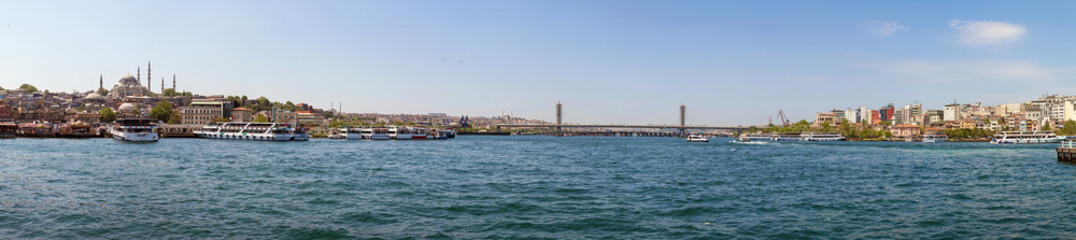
column 162, row 85
column 149, row 78
column 101, row 84
column 173, row 82
column 138, row 79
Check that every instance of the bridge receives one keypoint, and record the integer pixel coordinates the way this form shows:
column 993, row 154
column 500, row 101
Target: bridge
column 682, row 128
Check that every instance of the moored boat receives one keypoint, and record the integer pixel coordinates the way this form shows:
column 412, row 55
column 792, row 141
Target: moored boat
column 253, row 131
column 418, row 133
column 400, row 133
column 933, row 137
column 8, row 130
column 380, row 133
column 1025, row 137
column 134, row 130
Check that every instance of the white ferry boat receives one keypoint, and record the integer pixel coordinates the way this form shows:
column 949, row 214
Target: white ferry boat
column 933, row 137
column 252, row 131
column 418, row 133
column 821, row 136
column 380, row 133
column 400, row 133
column 756, row 137
column 355, row 133
column 788, row 137
column 1019, row 137
column 134, row 130
column 697, row 138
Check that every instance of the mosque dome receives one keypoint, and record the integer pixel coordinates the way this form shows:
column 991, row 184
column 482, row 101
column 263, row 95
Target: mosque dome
column 94, row 96
column 126, row 107
column 128, row 80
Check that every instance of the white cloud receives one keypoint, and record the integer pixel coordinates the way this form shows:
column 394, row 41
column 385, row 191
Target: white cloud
column 986, row 33
column 884, row 28
column 959, row 71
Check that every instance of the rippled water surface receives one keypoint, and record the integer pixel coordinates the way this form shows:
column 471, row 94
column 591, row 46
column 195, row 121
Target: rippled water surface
column 531, row 187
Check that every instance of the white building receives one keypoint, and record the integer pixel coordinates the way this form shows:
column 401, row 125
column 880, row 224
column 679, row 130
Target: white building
column 851, row 115
column 951, row 113
column 865, row 115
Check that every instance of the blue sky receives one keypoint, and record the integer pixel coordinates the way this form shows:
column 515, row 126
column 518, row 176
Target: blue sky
column 730, row 62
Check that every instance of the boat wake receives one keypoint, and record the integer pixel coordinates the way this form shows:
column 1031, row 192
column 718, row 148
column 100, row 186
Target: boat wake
column 739, row 142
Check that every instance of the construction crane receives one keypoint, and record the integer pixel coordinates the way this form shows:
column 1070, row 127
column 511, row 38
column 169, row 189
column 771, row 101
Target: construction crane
column 781, row 116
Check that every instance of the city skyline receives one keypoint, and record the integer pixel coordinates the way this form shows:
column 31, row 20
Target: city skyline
column 731, row 63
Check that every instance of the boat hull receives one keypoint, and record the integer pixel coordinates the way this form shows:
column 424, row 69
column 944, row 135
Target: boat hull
column 135, row 136
column 1025, row 141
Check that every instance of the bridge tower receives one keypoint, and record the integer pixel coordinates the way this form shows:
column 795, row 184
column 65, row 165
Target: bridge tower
column 683, row 109
column 558, row 130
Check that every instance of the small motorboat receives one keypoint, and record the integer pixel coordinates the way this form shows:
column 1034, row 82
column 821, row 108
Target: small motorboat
column 697, row 138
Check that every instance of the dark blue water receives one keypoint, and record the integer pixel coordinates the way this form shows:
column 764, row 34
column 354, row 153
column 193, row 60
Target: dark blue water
column 531, row 187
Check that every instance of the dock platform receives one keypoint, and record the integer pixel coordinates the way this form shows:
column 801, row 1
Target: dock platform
column 1067, row 151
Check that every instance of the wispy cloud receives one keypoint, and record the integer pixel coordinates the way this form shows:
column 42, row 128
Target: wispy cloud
column 883, row 28
column 986, row 33
column 958, row 71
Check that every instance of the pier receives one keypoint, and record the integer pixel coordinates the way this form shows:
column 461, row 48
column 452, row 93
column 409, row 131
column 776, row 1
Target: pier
column 1067, row 151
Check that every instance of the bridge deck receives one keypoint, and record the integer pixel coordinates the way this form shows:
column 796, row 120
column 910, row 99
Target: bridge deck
column 618, row 126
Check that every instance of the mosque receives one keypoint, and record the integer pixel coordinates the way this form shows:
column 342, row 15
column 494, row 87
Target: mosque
column 128, row 86
column 132, row 85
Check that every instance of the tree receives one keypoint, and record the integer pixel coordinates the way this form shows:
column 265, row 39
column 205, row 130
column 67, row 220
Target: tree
column 103, row 91
column 175, row 119
column 107, row 115
column 28, row 88
column 261, row 118
column 1046, row 127
column 1069, row 128
column 986, row 121
column 826, row 126
column 162, row 112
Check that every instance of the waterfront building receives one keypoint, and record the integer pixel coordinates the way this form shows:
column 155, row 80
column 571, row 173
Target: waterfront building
column 866, row 116
column 309, row 118
column 875, row 119
column 284, row 117
column 952, row 112
column 898, row 116
column 178, row 130
column 241, row 114
column 851, row 115
column 839, row 113
column 832, row 118
column 886, row 113
column 934, row 118
column 905, row 131
column 202, row 111
column 5, row 112
column 1007, row 109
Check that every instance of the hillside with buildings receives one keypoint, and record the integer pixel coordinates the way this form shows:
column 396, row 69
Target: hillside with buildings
column 1048, row 112
column 128, row 97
